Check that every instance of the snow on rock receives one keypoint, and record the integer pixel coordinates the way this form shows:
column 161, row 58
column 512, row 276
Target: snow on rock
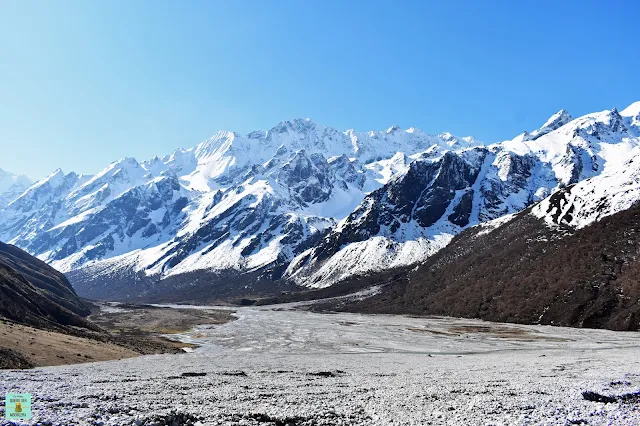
column 417, row 213
column 232, row 203
column 304, row 201
column 588, row 201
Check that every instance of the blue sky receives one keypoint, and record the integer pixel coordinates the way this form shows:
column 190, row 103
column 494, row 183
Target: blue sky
column 83, row 83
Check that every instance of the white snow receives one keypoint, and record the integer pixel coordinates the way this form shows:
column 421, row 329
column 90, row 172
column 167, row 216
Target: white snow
column 564, row 150
column 632, row 110
column 487, row 227
column 364, row 257
column 615, row 190
column 255, row 171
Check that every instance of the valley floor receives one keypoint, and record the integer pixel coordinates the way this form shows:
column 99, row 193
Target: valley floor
column 42, row 347
column 277, row 366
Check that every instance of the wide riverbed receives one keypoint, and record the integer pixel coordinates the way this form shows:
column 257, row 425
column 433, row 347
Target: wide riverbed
column 280, row 366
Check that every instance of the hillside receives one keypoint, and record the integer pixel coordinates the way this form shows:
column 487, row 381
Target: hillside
column 525, row 271
column 44, row 322
column 34, row 294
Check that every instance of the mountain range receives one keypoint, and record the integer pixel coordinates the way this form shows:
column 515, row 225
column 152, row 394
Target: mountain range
column 570, row 260
column 311, row 206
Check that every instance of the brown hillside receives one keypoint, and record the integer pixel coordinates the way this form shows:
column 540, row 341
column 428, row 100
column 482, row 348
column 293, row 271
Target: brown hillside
column 525, row 272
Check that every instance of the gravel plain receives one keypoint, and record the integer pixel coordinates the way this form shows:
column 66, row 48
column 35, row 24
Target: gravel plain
column 280, row 366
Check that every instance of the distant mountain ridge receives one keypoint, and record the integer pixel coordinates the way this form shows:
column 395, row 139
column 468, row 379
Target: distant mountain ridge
column 12, row 186
column 299, row 204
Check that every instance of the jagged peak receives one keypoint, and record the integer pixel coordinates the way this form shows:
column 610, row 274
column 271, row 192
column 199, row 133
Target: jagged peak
column 299, row 125
column 257, row 134
column 126, row 161
column 213, row 144
column 219, row 135
column 393, row 129
column 399, row 157
column 56, row 178
column 557, row 120
column 614, row 115
column 446, row 136
column 56, row 172
column 554, row 122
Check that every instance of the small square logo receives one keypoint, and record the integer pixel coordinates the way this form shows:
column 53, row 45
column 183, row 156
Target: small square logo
column 17, row 406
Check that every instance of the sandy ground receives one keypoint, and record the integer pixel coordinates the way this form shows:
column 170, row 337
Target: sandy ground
column 282, row 367
column 125, row 318
column 136, row 330
column 50, row 348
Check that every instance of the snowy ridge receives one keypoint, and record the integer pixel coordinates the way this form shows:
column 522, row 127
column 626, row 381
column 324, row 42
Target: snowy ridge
column 590, row 200
column 418, row 213
column 232, row 203
column 616, row 189
column 303, row 201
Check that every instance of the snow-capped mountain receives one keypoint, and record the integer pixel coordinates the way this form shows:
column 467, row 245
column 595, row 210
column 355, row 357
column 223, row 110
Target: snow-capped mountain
column 571, row 260
column 416, row 214
column 302, row 202
column 11, row 187
column 233, row 203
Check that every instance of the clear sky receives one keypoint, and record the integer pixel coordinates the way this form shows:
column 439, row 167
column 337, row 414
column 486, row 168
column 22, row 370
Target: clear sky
column 83, row 83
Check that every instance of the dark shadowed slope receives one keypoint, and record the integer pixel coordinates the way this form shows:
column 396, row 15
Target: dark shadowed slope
column 527, row 272
column 33, row 293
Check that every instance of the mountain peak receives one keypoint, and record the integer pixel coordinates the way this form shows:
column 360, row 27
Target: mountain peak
column 557, row 120
column 299, row 125
column 127, row 161
column 11, row 183
column 632, row 110
column 554, row 122
column 393, row 129
column 215, row 143
column 5, row 175
column 55, row 179
column 56, row 175
column 446, row 136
